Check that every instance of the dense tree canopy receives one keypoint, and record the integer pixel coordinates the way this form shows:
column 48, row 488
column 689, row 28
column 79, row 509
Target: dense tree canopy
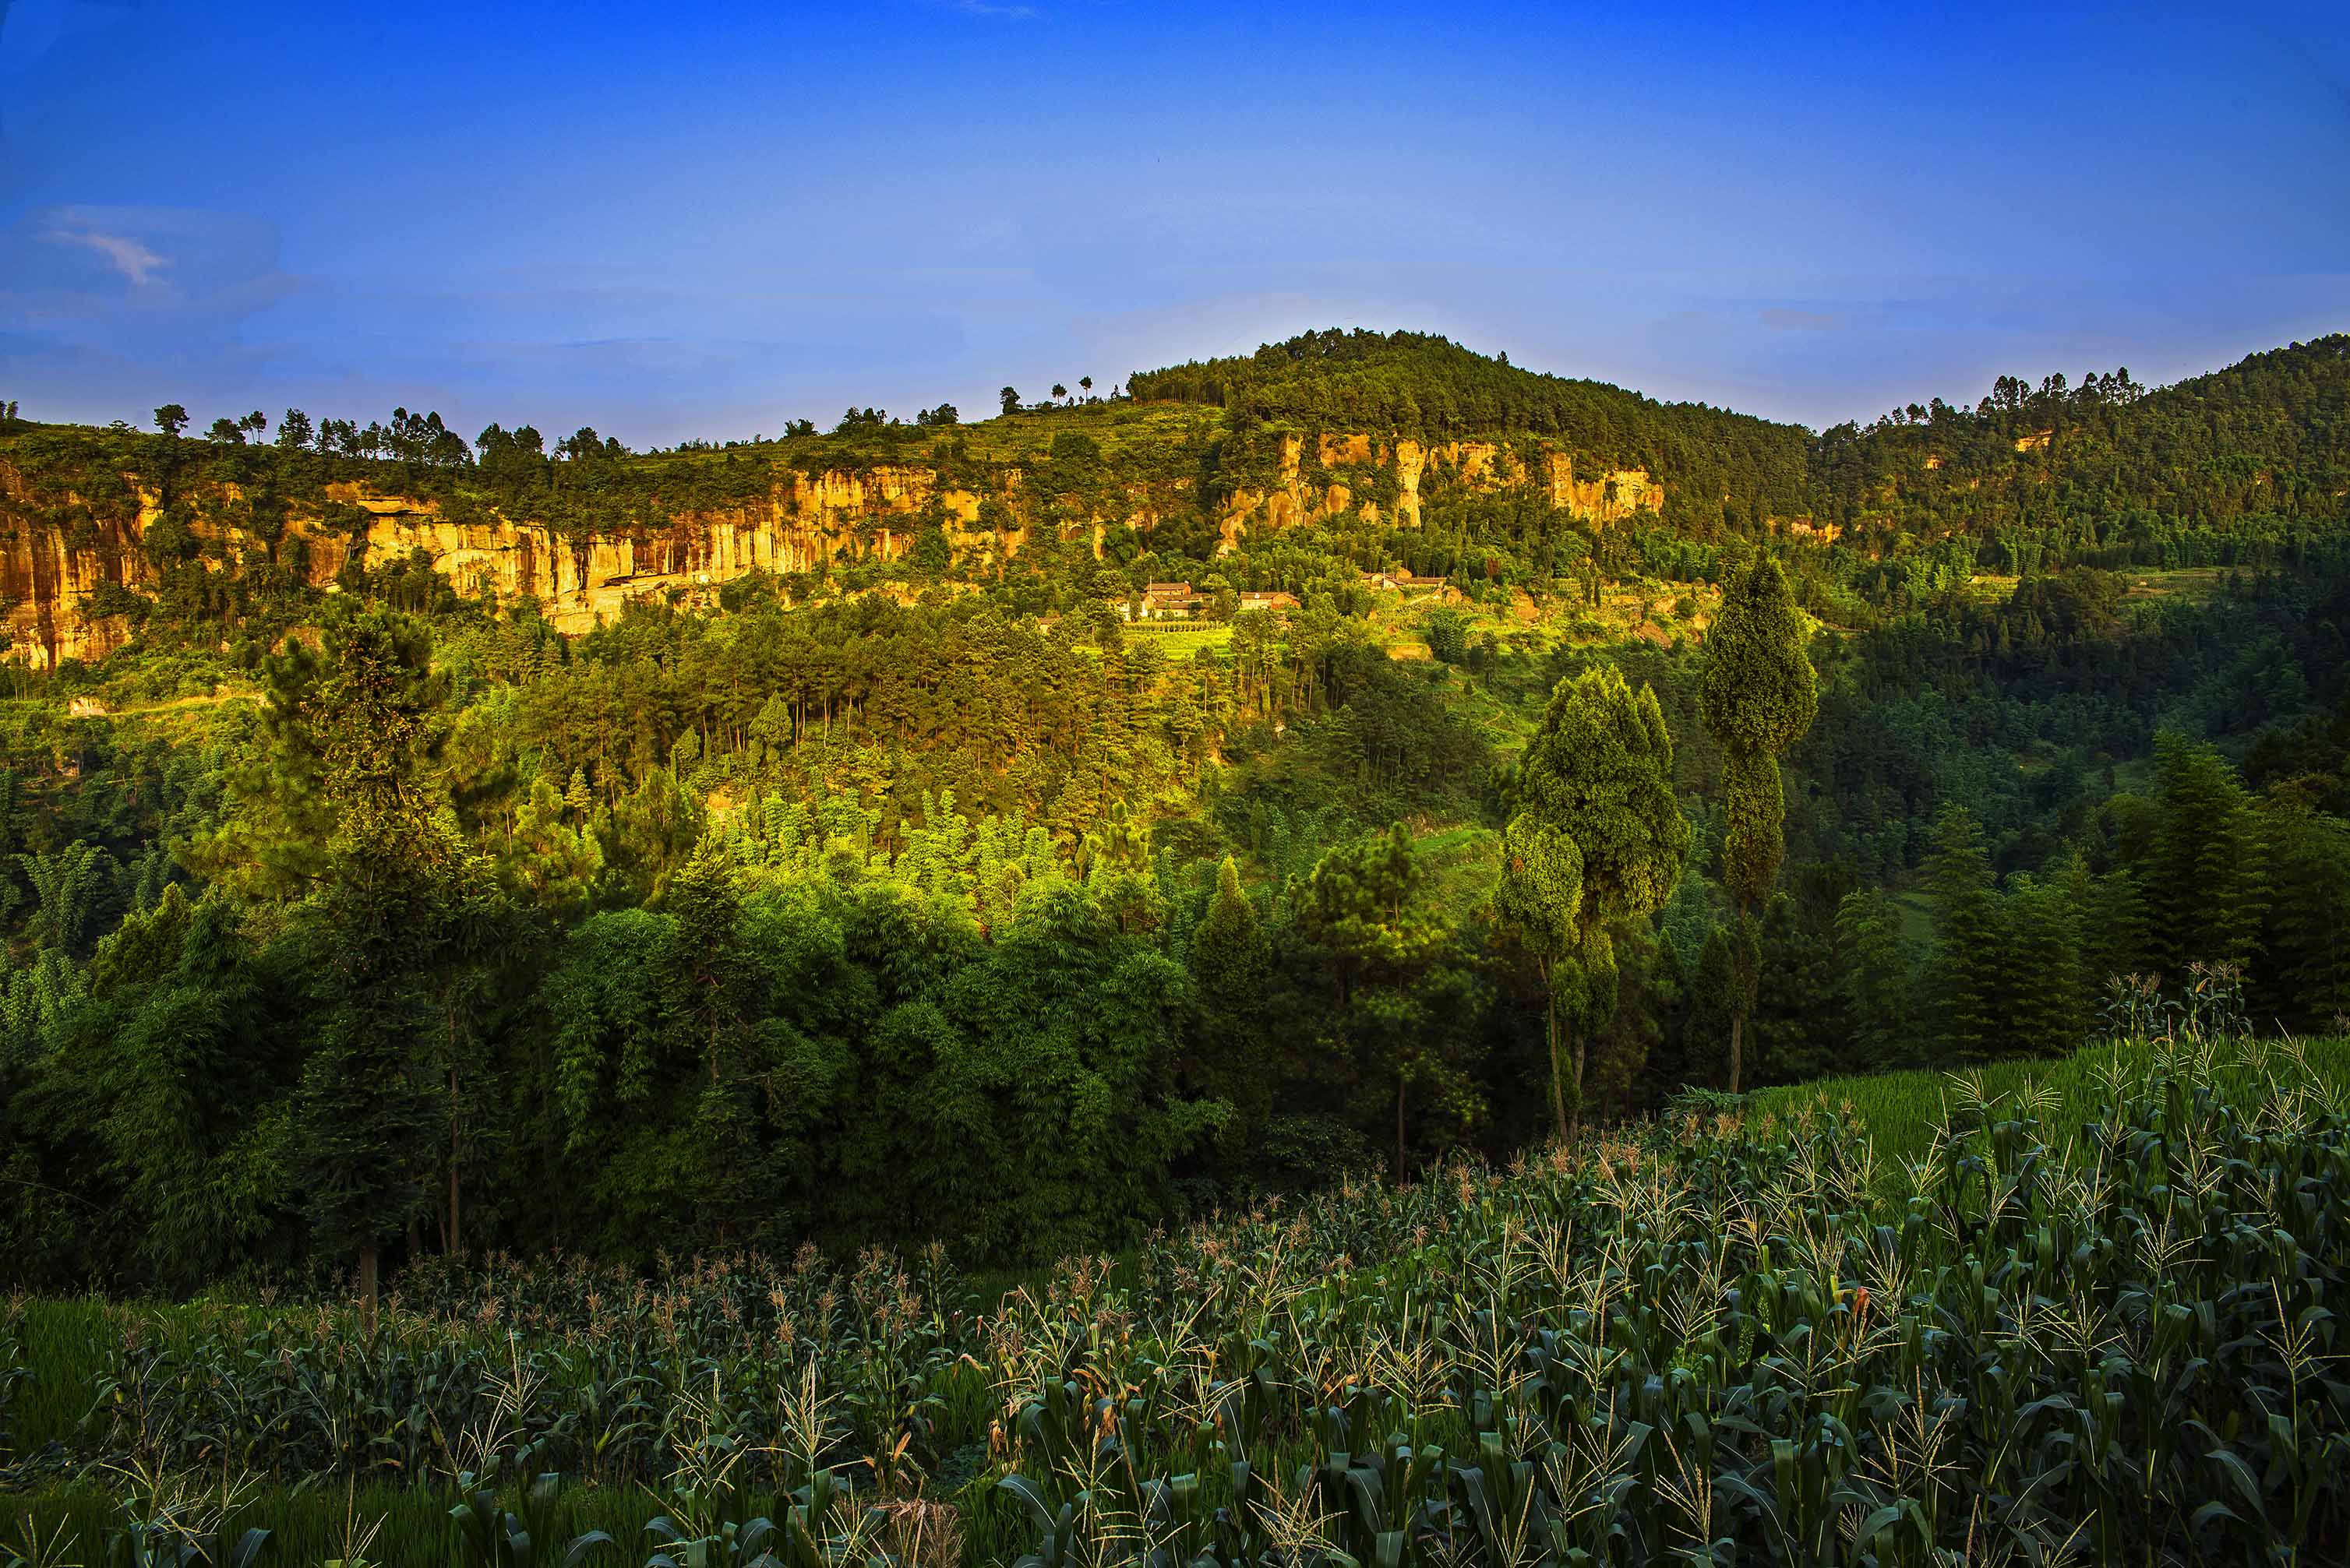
column 958, row 891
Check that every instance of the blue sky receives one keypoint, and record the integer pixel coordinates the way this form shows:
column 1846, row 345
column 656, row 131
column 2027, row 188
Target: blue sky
column 670, row 223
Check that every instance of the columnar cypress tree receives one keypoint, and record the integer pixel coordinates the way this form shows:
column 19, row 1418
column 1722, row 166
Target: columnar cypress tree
column 1760, row 696
column 1594, row 839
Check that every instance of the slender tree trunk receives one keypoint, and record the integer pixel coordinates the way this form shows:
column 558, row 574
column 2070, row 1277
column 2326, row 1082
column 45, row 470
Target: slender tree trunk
column 1558, row 1067
column 1578, row 1121
column 454, row 1239
column 1748, row 962
column 366, row 1290
column 1400, row 1082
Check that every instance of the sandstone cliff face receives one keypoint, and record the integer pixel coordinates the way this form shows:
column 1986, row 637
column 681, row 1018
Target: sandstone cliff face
column 1607, row 497
column 56, row 577
column 53, row 576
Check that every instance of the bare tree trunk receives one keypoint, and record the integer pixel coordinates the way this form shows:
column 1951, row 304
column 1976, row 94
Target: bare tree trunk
column 1400, row 1082
column 1748, row 962
column 1578, row 1121
column 1558, row 1067
column 366, row 1290
column 454, row 1239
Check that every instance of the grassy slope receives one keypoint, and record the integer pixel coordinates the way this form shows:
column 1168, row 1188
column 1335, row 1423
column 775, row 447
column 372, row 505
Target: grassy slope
column 1902, row 1110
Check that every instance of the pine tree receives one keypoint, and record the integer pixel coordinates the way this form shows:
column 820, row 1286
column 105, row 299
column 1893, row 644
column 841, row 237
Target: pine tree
column 1798, row 1030
column 2300, row 972
column 2111, row 920
column 1879, row 980
column 1230, row 964
column 579, row 800
column 1968, row 963
column 364, row 716
column 2040, row 999
column 1760, row 696
column 2206, row 886
column 1399, row 1010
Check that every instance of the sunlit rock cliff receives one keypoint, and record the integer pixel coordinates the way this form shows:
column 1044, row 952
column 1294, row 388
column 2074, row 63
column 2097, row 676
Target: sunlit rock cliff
column 71, row 557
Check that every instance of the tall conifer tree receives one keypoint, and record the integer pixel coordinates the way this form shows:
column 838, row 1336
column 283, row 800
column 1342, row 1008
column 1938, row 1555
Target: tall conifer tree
column 1230, row 963
column 2206, row 883
column 364, row 715
column 1878, row 982
column 1969, row 962
column 1760, row 696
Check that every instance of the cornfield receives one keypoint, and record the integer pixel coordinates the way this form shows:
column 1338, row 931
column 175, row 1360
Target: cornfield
column 1741, row 1339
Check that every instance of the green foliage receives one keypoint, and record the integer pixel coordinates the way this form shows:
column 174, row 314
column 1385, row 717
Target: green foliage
column 1396, row 1016
column 178, row 1047
column 2202, row 869
column 2301, row 980
column 1411, row 384
column 1887, row 1385
column 1446, row 630
column 1758, row 690
column 363, row 715
column 1759, row 696
column 1966, row 975
column 904, row 892
column 1880, row 985
column 1600, row 770
column 1231, row 965
column 1595, row 840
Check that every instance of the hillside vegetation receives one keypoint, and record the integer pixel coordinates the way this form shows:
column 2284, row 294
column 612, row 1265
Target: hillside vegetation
column 928, row 883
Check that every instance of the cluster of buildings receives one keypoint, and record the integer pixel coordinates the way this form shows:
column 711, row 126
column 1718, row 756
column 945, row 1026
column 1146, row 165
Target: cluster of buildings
column 1182, row 601
column 1401, row 582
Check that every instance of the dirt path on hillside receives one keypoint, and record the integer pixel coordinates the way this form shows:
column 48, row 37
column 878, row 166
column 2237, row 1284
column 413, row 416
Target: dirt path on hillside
column 89, row 708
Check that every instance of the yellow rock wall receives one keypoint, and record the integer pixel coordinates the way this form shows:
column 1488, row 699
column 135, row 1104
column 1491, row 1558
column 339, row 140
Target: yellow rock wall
column 47, row 571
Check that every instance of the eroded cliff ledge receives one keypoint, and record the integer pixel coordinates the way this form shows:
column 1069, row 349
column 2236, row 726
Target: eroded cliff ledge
column 69, row 556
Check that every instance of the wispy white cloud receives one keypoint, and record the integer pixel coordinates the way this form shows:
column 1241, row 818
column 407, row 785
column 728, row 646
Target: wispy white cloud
column 994, row 9
column 128, row 256
column 102, row 305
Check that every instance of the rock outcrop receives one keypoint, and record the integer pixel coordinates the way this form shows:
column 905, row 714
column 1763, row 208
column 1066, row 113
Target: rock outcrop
column 66, row 571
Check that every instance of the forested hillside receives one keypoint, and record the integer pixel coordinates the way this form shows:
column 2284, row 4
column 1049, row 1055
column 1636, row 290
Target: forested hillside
column 1722, row 468
column 1022, row 834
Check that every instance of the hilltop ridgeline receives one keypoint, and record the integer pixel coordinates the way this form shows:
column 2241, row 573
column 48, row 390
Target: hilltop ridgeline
column 1387, row 432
